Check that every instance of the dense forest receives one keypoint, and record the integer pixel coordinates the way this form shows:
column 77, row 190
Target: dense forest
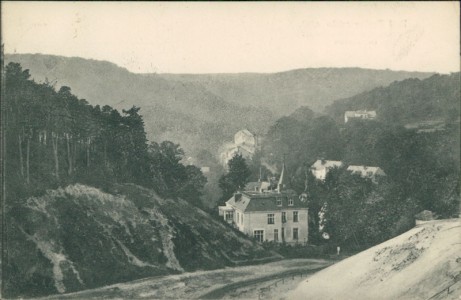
column 52, row 138
column 422, row 171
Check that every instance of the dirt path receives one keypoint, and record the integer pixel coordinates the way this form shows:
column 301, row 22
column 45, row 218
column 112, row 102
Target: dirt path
column 203, row 284
column 223, row 291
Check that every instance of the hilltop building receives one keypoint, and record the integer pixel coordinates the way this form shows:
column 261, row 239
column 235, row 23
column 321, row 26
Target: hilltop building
column 367, row 172
column 276, row 215
column 245, row 143
column 359, row 114
column 321, row 167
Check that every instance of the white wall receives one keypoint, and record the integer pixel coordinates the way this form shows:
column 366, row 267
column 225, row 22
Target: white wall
column 258, row 221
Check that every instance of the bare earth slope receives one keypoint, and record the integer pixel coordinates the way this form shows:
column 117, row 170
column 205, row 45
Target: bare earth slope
column 415, row 265
column 79, row 237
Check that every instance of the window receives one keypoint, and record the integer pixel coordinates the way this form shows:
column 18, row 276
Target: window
column 284, row 217
column 270, row 218
column 241, row 218
column 276, row 235
column 229, row 215
column 290, row 202
column 283, row 234
column 295, row 216
column 279, row 201
column 259, row 235
column 295, row 233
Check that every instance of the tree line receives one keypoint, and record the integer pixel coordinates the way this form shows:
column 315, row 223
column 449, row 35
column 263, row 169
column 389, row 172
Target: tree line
column 53, row 138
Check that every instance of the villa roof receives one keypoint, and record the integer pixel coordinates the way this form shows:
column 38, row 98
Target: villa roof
column 366, row 171
column 245, row 131
column 320, row 164
column 255, row 201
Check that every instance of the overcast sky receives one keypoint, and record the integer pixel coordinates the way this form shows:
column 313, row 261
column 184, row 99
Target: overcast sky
column 223, row 37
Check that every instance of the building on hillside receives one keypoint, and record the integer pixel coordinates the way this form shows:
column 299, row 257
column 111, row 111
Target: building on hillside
column 321, row 167
column 205, row 170
column 277, row 215
column 359, row 114
column 367, row 172
column 245, row 143
column 245, row 137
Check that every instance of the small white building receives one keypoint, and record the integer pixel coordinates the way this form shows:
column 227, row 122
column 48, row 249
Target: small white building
column 245, row 144
column 359, row 114
column 269, row 215
column 367, row 172
column 321, row 167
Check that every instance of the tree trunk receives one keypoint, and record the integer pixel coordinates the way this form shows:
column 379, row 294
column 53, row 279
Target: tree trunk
column 88, row 152
column 27, row 159
column 74, row 154
column 21, row 163
column 55, row 152
column 69, row 155
column 105, row 154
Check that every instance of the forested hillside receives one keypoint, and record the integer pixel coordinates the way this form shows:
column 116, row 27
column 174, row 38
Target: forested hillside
column 408, row 101
column 422, row 173
column 186, row 113
column 284, row 92
column 53, row 138
column 89, row 202
column 202, row 111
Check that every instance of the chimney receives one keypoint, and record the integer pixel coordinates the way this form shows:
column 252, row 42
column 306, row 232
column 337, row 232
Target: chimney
column 237, row 196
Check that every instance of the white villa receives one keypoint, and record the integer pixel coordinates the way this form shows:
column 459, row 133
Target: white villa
column 321, row 167
column 367, row 172
column 269, row 215
column 359, row 114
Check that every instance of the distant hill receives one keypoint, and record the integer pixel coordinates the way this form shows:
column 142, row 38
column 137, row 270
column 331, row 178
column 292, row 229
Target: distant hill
column 407, row 101
column 202, row 111
column 80, row 237
column 282, row 93
column 419, row 264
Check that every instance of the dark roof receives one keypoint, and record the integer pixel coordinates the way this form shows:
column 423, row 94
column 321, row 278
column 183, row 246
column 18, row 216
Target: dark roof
column 256, row 201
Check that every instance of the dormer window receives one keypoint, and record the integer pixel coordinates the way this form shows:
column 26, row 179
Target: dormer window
column 279, row 201
column 290, row 201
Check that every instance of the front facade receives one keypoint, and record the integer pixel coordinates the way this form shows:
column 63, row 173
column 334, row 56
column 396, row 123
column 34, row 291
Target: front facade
column 269, row 215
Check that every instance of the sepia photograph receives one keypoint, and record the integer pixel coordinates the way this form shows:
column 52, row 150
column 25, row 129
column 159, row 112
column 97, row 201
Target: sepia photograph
column 230, row 150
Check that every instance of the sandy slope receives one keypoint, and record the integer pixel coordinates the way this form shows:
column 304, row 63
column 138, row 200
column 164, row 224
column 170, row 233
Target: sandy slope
column 415, row 265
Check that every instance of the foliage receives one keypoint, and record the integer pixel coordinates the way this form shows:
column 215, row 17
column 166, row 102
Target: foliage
column 422, row 172
column 236, row 178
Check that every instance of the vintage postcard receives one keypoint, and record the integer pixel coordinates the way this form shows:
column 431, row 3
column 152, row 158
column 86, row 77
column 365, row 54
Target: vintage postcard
column 227, row 150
